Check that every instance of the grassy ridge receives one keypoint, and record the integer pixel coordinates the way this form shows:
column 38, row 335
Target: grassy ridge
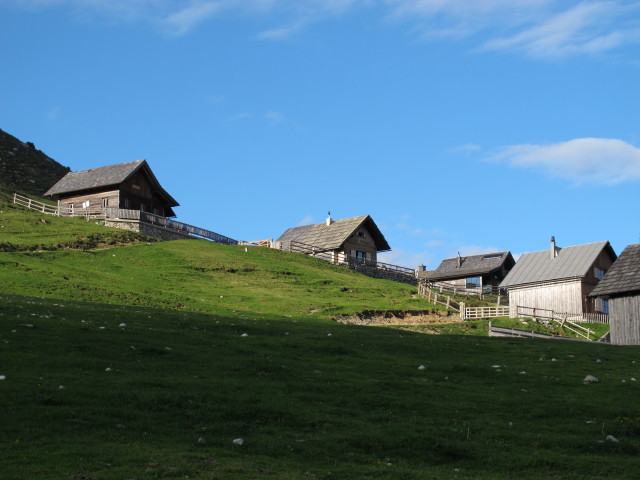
column 310, row 399
column 165, row 394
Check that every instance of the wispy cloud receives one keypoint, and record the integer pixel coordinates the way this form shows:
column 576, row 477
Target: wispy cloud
column 583, row 160
column 274, row 118
column 188, row 17
column 538, row 28
column 306, row 220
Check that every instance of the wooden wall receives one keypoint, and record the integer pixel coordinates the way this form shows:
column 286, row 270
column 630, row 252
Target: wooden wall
column 363, row 241
column 94, row 199
column 563, row 297
column 624, row 317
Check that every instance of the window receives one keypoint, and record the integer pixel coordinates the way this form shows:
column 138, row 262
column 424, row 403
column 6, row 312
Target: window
column 71, row 208
column 599, row 273
column 105, row 202
column 126, row 203
column 605, row 306
column 474, row 282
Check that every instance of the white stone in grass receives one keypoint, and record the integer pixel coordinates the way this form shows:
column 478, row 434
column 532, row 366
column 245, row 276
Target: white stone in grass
column 3, row 377
column 122, row 325
column 633, row 379
column 611, row 438
column 238, row 441
column 590, row 379
column 244, row 335
column 329, row 335
column 495, row 366
column 61, row 387
column 201, row 441
column 421, row 367
column 598, row 361
column 108, row 369
column 168, row 349
column 522, row 373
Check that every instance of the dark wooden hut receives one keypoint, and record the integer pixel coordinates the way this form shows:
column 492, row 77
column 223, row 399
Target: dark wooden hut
column 620, row 288
column 130, row 185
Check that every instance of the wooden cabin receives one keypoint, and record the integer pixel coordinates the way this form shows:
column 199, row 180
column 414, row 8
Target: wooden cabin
column 358, row 239
column 619, row 290
column 473, row 273
column 559, row 279
column 130, row 185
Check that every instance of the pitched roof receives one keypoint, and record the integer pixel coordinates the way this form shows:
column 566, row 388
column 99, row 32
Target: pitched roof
column 570, row 262
column 104, row 177
column 623, row 276
column 470, row 266
column 333, row 236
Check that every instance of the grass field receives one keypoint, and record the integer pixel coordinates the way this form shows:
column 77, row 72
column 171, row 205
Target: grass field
column 130, row 359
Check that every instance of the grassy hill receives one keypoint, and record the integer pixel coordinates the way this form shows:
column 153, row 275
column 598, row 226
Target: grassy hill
column 126, row 358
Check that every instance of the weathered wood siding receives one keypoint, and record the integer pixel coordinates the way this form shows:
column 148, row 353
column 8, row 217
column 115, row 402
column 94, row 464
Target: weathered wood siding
column 95, row 199
column 566, row 297
column 362, row 241
column 624, row 315
column 137, row 193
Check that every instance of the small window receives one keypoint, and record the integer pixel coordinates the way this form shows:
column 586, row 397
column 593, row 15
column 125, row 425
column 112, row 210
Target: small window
column 71, row 208
column 105, row 202
column 605, row 306
column 473, row 282
column 599, row 273
column 126, row 203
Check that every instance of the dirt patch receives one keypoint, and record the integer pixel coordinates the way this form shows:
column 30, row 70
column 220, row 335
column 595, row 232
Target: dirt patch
column 399, row 317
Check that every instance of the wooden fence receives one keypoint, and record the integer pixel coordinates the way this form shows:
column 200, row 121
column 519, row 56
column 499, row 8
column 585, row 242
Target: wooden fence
column 340, row 258
column 124, row 214
column 514, row 332
column 35, row 205
column 472, row 313
column 438, row 298
column 560, row 318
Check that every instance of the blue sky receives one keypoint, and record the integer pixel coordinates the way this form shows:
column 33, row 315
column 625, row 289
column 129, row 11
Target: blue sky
column 460, row 126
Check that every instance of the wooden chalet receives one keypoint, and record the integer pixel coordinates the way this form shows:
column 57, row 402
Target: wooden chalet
column 559, row 279
column 619, row 291
column 130, row 185
column 475, row 273
column 339, row 241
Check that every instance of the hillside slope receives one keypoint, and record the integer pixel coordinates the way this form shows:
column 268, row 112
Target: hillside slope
column 25, row 169
column 74, row 259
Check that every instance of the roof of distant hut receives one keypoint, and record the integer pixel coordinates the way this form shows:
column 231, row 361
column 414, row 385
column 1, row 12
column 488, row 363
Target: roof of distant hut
column 624, row 275
column 331, row 235
column 111, row 175
column 469, row 266
column 556, row 263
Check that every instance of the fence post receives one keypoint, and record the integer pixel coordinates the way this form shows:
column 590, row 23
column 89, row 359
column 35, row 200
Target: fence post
column 463, row 313
column 448, row 301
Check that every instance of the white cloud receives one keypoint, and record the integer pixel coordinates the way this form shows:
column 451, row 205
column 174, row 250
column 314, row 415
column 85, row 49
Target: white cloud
column 185, row 19
column 583, row 160
column 307, row 220
column 539, row 28
column 405, row 258
column 586, row 28
column 274, row 118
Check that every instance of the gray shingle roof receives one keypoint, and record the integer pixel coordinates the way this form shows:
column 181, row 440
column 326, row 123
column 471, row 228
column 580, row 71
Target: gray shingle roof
column 104, row 177
column 623, row 276
column 332, row 237
column 470, row 266
column 571, row 262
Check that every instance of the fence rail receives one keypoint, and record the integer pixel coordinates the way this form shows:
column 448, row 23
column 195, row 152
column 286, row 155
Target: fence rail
column 460, row 290
column 438, row 298
column 470, row 313
column 35, row 205
column 566, row 320
column 113, row 213
column 331, row 256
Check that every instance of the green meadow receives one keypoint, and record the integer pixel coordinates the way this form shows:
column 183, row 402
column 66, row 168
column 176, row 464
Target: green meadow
column 126, row 358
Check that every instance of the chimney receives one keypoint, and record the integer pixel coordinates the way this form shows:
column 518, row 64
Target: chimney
column 329, row 219
column 459, row 260
column 553, row 249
